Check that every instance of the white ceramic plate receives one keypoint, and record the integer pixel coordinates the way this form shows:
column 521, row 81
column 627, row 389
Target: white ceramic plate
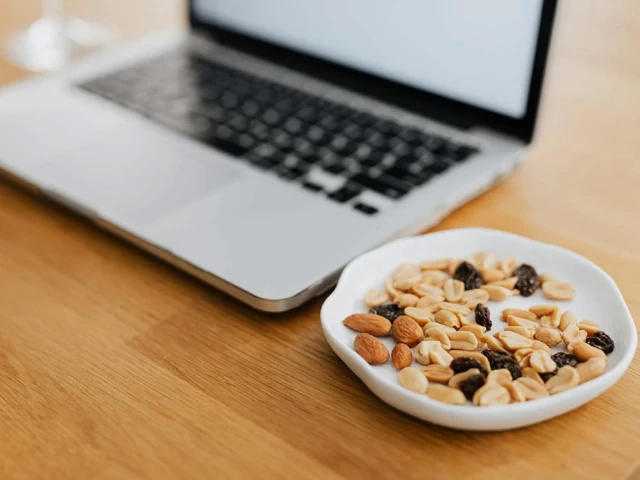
column 597, row 298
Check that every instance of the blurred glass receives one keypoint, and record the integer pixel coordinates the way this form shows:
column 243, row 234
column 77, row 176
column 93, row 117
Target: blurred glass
column 49, row 42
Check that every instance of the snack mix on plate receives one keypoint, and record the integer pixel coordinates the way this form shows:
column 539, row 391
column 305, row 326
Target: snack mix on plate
column 436, row 314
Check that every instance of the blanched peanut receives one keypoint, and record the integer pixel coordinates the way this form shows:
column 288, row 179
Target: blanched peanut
column 548, row 336
column 567, row 318
column 445, row 394
column 541, row 362
column 566, row 378
column 413, row 379
column 458, row 378
column 501, row 376
column 463, row 340
column 491, row 394
column 437, row 373
column 584, row 351
column 512, row 341
column 592, row 368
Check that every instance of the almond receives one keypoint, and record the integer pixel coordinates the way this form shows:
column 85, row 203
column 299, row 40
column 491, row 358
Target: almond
column 371, row 349
column 375, row 325
column 406, row 330
column 401, row 356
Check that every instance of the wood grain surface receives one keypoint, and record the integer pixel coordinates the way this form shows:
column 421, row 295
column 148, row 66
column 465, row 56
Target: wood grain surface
column 116, row 366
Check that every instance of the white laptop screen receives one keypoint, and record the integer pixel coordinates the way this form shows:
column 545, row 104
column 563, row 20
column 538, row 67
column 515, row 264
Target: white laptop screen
column 477, row 52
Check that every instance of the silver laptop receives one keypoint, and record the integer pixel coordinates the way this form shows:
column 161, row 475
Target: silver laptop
column 277, row 140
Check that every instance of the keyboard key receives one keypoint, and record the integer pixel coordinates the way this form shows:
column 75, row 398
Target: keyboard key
column 364, row 208
column 228, row 145
column 439, row 166
column 335, row 168
column 314, row 187
column 345, row 193
column 383, row 184
column 264, row 163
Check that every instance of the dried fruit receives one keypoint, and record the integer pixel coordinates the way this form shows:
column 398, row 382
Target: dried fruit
column 374, row 298
column 437, row 373
column 592, row 368
column 491, row 394
column 499, row 360
column 566, row 378
column 567, row 318
column 602, row 341
column 541, row 362
column 368, row 323
column 406, row 330
column 562, row 359
column 528, row 280
column 445, row 317
column 371, row 349
column 462, row 364
column 445, row 394
column 548, row 336
column 467, row 274
column 421, row 315
column 472, row 298
column 558, row 290
column 453, row 290
column 583, row 351
column 483, row 316
column 401, row 356
column 475, row 355
column 390, row 312
column 501, row 376
column 413, row 379
column 471, row 384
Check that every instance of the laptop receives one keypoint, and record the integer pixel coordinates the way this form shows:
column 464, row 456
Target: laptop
column 275, row 141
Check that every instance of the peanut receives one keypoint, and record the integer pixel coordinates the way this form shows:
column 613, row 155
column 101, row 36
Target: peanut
column 554, row 290
column 471, row 298
column 497, row 294
column 440, row 336
column 495, row 344
column 584, row 351
column 567, row 318
column 405, row 300
column 538, row 345
column 516, row 391
column 512, row 341
column 508, row 265
column 531, row 388
column 429, row 302
column 434, row 277
column 453, row 290
column 413, row 379
column 541, row 362
column 501, row 376
column 592, row 368
column 423, row 289
column 463, row 340
column 477, row 330
column 509, row 283
column 514, row 321
column 422, row 316
column 389, row 288
column 458, row 378
column 424, row 349
column 548, row 336
column 516, row 312
column 439, row 326
column 374, row 298
column 440, row 356
column 525, row 332
column 437, row 373
column 405, row 283
column 442, row 264
column 566, row 378
column 491, row 394
column 454, row 308
column 521, row 354
column 589, row 326
column 405, row 270
column 542, row 310
column 444, row 394
column 552, row 320
column 531, row 373
column 572, row 333
column 492, row 275
column 447, row 318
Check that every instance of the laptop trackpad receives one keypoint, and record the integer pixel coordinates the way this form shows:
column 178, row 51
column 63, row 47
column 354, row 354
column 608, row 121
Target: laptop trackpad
column 136, row 174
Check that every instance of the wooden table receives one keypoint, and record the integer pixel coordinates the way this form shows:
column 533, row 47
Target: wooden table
column 116, row 366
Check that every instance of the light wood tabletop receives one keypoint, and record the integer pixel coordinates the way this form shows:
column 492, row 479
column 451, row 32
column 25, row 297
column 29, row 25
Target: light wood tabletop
column 114, row 365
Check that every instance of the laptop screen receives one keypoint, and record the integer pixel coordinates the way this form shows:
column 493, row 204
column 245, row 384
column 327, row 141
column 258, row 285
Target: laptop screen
column 479, row 53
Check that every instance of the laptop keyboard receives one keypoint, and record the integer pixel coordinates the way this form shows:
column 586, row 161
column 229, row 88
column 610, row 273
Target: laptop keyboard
column 283, row 130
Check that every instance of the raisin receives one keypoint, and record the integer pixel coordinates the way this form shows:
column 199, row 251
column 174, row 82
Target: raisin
column 468, row 275
column 563, row 359
column 528, row 280
column 471, row 384
column 483, row 316
column 499, row 360
column 462, row 364
column 547, row 376
column 390, row 311
column 602, row 341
